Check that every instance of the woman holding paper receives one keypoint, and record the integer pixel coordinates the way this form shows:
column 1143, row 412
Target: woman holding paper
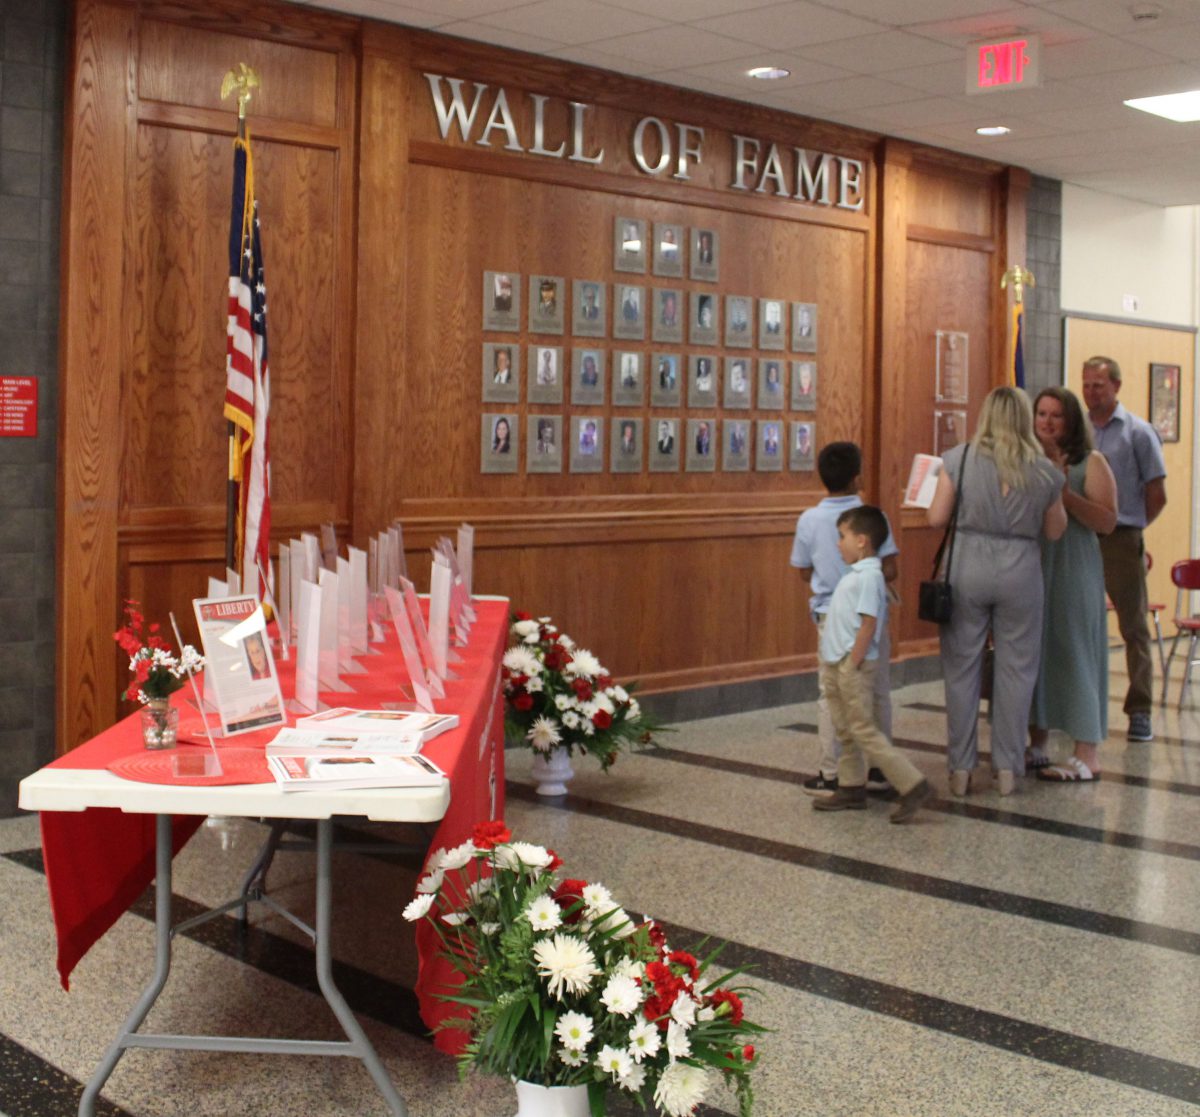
column 1011, row 496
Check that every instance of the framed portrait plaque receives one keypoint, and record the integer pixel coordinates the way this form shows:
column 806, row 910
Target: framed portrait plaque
column 587, row 444
column 738, row 387
column 664, row 446
column 953, row 351
column 543, row 442
column 705, row 255
column 666, row 323
column 664, row 380
column 769, row 452
column 629, row 311
column 949, row 429
column 804, row 327
column 803, row 447
column 735, row 445
column 499, row 442
column 804, row 385
column 501, row 371
column 629, row 388
column 703, row 315
column 701, row 446
column 589, row 308
column 739, row 321
column 625, row 453
column 772, row 384
column 588, row 376
column 702, row 380
column 501, row 300
column 546, row 374
column 1164, row 401
column 772, row 324
column 547, row 296
column 668, row 250
column 629, row 244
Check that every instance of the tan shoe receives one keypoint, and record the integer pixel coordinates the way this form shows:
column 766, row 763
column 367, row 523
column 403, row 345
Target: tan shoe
column 912, row 801
column 960, row 782
column 1006, row 782
column 844, row 799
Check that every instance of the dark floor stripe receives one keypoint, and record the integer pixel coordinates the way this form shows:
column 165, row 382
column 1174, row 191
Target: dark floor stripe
column 946, row 806
column 32, row 1087
column 904, row 880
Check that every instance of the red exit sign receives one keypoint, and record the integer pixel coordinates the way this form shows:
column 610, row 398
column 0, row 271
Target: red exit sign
column 1004, row 64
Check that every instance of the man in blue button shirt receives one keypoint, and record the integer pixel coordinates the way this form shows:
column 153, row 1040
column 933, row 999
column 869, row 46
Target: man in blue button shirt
column 1134, row 451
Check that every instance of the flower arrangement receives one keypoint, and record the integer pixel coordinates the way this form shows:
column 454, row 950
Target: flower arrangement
column 157, row 671
column 558, row 695
column 563, row 988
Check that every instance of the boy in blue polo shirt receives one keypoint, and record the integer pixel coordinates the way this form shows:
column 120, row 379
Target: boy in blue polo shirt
column 849, row 654
column 815, row 553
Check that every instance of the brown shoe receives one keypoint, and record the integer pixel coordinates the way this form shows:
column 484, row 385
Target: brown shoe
column 844, row 799
column 912, row 801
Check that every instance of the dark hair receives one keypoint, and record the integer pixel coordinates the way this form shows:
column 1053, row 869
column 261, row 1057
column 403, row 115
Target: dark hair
column 866, row 520
column 1107, row 364
column 838, row 464
column 1076, row 441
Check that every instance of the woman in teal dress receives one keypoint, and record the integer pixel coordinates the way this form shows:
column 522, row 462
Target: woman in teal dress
column 1072, row 687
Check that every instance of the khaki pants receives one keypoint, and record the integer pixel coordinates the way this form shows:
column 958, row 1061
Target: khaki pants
column 850, row 693
column 1125, row 582
column 831, row 749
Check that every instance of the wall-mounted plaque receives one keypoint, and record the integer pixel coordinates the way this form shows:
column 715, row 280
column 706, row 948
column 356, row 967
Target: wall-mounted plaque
column 703, row 315
column 547, row 304
column 706, row 255
column 587, row 376
column 543, row 441
column 587, row 444
column 769, row 455
column 629, row 244
column 1164, row 401
column 499, row 443
column 589, row 308
column 501, row 372
column 702, row 381
column 735, row 446
column 949, row 429
column 546, row 374
column 625, row 454
column 772, row 384
column 803, row 446
column 953, row 349
column 629, row 388
column 666, row 323
column 629, row 312
column 739, row 321
column 804, row 385
column 804, row 327
column 701, row 446
column 501, row 300
column 772, row 324
column 668, row 249
column 737, row 382
column 664, row 380
column 664, row 448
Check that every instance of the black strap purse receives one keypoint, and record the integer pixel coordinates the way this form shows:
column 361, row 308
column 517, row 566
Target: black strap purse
column 935, row 601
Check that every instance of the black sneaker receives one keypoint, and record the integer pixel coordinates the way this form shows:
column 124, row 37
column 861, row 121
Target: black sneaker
column 1140, row 727
column 877, row 781
column 818, row 785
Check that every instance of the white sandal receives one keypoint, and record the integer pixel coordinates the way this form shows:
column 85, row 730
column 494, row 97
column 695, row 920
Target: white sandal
column 1071, row 770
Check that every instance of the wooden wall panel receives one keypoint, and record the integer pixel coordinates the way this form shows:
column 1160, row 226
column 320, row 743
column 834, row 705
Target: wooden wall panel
column 940, row 199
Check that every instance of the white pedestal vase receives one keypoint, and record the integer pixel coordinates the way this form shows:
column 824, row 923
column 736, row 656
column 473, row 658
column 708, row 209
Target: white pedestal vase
column 551, row 1101
column 551, row 771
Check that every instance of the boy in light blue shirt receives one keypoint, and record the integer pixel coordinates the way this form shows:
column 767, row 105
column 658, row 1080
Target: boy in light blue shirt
column 850, row 653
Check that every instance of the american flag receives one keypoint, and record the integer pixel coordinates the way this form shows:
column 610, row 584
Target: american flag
column 247, row 380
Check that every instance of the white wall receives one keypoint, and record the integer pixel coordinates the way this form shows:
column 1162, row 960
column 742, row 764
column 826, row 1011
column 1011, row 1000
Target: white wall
column 1113, row 247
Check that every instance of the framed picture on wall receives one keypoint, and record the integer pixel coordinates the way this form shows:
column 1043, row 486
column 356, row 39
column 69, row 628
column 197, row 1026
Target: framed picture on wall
column 664, row 380
column 629, row 244
column 628, row 387
column 1164, row 401
column 702, row 381
column 668, row 249
column 705, row 255
column 501, row 372
column 500, row 443
column 701, row 446
column 739, row 321
column 803, row 446
column 953, row 347
column 589, row 309
column 629, row 311
column 769, row 456
column 501, row 300
column 625, row 454
column 949, row 429
column 737, row 383
column 772, row 324
column 587, row 376
column 804, row 327
column 543, row 441
column 703, row 318
column 667, row 321
column 664, row 449
column 546, row 310
column 587, row 444
column 772, row 384
column 804, row 385
column 545, row 374
column 735, row 447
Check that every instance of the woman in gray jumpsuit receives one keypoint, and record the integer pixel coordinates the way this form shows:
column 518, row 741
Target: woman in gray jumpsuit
column 1011, row 497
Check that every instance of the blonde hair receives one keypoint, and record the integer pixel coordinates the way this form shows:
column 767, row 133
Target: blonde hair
column 1005, row 434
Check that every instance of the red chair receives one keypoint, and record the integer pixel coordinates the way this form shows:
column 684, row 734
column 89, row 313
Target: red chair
column 1154, row 608
column 1186, row 576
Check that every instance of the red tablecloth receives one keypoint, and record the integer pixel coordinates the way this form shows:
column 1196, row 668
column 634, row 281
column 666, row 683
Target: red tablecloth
column 99, row 861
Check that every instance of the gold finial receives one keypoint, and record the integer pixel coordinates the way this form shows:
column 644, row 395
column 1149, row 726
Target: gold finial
column 243, row 79
column 1020, row 279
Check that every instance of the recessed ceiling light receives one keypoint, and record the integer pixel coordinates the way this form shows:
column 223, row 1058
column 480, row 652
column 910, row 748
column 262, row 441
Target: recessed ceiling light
column 1180, row 107
column 993, row 130
column 768, row 73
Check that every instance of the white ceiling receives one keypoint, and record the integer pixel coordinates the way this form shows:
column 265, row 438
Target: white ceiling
column 892, row 66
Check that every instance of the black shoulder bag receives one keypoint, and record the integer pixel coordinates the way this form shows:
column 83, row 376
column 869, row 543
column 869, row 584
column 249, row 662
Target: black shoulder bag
column 935, row 601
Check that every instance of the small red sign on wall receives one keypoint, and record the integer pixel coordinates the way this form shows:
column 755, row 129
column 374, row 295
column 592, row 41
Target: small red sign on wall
column 18, row 407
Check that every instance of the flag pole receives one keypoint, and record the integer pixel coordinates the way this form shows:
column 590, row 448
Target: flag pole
column 1018, row 278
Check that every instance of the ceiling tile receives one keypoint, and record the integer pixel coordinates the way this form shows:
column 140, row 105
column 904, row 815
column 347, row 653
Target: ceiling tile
column 1145, row 81
column 926, row 111
column 880, row 53
column 733, row 72
column 901, row 13
column 1099, row 54
column 851, row 93
column 1116, row 16
column 686, row 11
column 572, row 22
column 675, row 47
column 482, row 33
column 790, row 25
column 1176, row 41
column 1001, row 21
column 604, row 60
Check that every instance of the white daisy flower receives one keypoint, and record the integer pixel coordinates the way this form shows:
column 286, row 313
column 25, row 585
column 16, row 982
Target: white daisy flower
column 565, row 640
column 544, row 734
column 455, row 918
column 480, row 888
column 434, row 861
column 532, row 638
column 621, row 995
column 589, row 730
column 614, row 1060
column 432, row 882
column 627, row 967
column 521, row 661
column 532, row 856
column 572, row 1058
column 635, row 711
column 535, row 685
column 706, row 1014
column 489, row 928
column 506, row 858
column 644, row 1040
column 619, row 693
column 544, row 914
column 634, row 1079
column 680, row 1089
column 596, row 898
column 571, row 719
column 418, row 908
column 567, row 963
column 526, row 628
column 562, row 702
column 574, row 1029
column 678, row 1044
column 683, row 1011
column 603, row 702
column 459, row 856
column 584, row 663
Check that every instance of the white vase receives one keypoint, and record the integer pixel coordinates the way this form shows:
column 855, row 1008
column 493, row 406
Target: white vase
column 551, row 771
column 551, row 1101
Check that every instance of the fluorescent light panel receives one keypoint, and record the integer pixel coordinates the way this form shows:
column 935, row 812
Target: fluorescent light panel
column 1184, row 108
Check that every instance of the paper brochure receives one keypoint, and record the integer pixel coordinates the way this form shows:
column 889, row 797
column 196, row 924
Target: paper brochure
column 326, row 773
column 922, row 481
column 420, row 727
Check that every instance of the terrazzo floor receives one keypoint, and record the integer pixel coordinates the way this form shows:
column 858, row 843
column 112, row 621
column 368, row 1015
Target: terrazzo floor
column 1036, row 955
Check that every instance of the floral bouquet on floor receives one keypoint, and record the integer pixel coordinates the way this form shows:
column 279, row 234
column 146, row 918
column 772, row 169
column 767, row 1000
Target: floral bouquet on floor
column 558, row 695
column 562, row 988
column 157, row 671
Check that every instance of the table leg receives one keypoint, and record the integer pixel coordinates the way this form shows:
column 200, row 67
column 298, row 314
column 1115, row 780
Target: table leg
column 162, row 965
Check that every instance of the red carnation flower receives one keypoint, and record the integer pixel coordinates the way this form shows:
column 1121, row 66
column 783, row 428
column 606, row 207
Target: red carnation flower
column 604, row 682
column 569, row 894
column 521, row 615
column 602, row 719
column 555, row 861
column 583, row 690
column 523, row 702
column 487, row 835
column 727, row 997
column 556, row 658
column 686, row 960
column 657, row 936
column 748, row 1052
